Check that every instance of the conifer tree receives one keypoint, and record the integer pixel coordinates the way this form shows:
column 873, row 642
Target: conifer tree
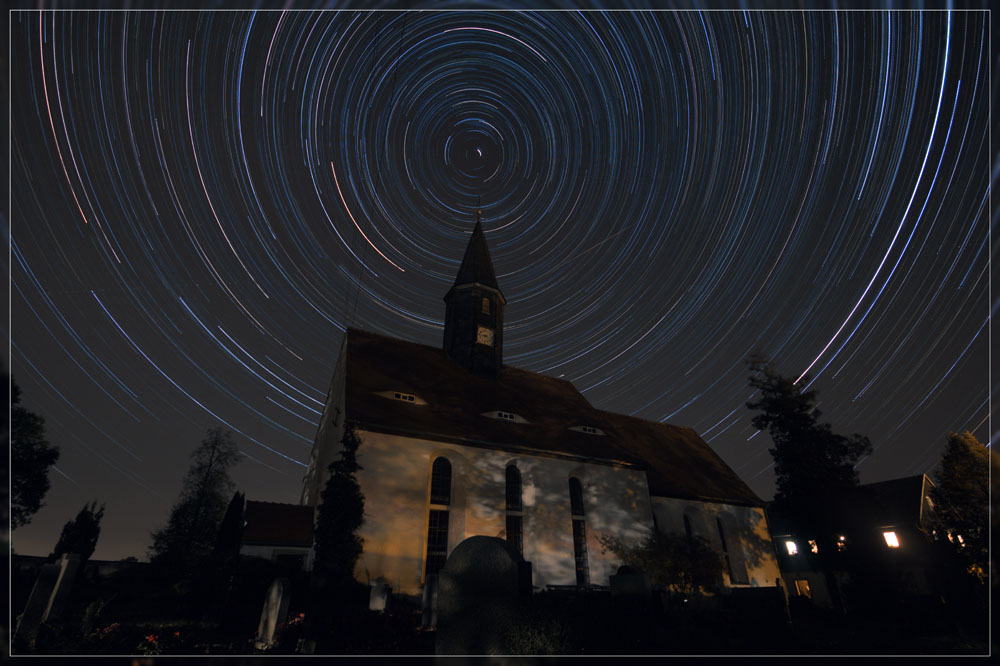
column 961, row 499
column 340, row 515
column 31, row 456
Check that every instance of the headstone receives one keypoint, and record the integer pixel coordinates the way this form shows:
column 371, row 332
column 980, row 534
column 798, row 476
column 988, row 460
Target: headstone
column 274, row 612
column 630, row 585
column 48, row 596
column 478, row 598
column 379, row 595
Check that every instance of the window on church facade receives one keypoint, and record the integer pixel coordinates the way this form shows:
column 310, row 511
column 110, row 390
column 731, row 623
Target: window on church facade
column 437, row 520
column 515, row 508
column 733, row 559
column 687, row 526
column 579, row 532
column 441, row 482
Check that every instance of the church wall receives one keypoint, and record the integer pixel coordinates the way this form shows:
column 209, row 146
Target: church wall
column 331, row 431
column 395, row 479
column 748, row 539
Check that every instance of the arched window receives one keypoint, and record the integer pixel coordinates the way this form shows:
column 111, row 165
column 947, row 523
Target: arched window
column 515, row 508
column 437, row 519
column 687, row 526
column 579, row 531
column 441, row 482
column 733, row 558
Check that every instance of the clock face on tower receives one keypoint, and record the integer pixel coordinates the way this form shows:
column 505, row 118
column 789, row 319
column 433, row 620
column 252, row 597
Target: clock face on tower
column 484, row 336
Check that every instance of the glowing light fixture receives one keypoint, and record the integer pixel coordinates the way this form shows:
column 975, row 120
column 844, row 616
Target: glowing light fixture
column 890, row 539
column 791, row 547
column 813, row 546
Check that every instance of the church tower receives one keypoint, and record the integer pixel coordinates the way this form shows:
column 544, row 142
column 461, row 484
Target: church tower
column 473, row 319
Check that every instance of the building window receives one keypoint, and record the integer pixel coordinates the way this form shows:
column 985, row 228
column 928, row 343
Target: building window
column 890, row 539
column 841, row 544
column 802, row 588
column 579, row 532
column 734, row 559
column 813, row 546
column 687, row 526
column 437, row 541
column 515, row 507
column 515, row 532
column 486, row 306
column 791, row 547
column 506, row 416
column 441, row 482
column 437, row 520
column 405, row 397
column 514, row 489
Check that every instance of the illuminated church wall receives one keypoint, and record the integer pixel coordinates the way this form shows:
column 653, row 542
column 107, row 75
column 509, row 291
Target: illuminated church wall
column 748, row 541
column 395, row 480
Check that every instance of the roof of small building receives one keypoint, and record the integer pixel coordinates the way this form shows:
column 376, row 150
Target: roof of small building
column 678, row 462
column 276, row 524
column 880, row 504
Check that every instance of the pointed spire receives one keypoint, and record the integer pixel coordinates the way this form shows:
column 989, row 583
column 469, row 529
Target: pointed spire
column 476, row 264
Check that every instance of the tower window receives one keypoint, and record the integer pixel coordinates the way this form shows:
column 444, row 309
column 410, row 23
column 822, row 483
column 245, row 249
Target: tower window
column 486, row 306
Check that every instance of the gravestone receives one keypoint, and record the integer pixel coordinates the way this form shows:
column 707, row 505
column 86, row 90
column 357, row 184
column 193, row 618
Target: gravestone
column 478, row 598
column 274, row 613
column 48, row 596
column 378, row 597
column 630, row 585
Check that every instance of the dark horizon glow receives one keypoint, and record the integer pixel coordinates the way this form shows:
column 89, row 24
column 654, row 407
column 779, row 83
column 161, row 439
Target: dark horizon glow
column 202, row 202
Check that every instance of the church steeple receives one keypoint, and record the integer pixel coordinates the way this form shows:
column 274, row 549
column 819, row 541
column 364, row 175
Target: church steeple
column 473, row 320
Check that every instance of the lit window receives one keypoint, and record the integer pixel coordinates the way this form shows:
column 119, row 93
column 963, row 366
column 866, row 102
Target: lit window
column 890, row 539
column 486, row 306
column 841, row 544
column 813, row 546
column 802, row 588
column 791, row 547
column 961, row 541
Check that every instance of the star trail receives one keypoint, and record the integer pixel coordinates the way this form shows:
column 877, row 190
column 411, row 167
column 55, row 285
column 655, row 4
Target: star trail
column 202, row 202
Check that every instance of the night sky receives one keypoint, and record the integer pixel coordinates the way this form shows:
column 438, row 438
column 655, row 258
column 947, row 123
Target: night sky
column 201, row 202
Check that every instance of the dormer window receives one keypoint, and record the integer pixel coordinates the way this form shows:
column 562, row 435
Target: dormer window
column 505, row 416
column 590, row 430
column 403, row 397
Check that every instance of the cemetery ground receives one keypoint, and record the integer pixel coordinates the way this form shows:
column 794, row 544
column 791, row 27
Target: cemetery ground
column 133, row 611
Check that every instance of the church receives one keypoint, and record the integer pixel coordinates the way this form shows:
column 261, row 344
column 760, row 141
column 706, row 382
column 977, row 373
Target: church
column 455, row 444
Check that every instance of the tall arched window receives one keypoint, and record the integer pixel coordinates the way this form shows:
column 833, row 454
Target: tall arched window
column 579, row 531
column 733, row 556
column 437, row 520
column 687, row 526
column 515, row 509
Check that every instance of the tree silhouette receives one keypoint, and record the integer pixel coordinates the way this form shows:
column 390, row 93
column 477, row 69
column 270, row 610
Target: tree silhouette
column 193, row 526
column 340, row 514
column 31, row 456
column 961, row 499
column 812, row 464
column 672, row 561
column 80, row 534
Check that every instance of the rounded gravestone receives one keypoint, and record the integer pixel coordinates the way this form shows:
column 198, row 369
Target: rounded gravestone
column 477, row 603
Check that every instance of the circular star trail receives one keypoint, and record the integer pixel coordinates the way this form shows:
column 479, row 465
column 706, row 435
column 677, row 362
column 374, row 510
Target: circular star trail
column 202, row 202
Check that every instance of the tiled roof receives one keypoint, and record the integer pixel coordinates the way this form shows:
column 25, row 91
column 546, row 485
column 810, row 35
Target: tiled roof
column 274, row 524
column 679, row 463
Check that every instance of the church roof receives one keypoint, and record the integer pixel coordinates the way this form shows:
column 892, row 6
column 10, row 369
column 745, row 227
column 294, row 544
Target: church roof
column 678, row 462
column 476, row 264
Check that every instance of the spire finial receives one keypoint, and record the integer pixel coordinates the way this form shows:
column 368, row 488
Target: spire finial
column 479, row 208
